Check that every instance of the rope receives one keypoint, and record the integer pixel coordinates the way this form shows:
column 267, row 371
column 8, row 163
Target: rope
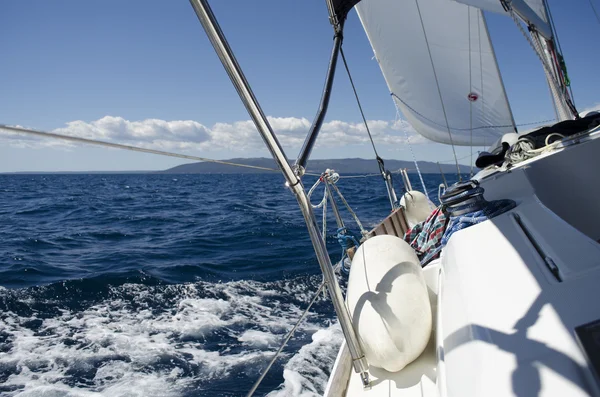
column 125, row 147
column 439, row 89
column 460, row 158
column 441, row 190
column 360, row 226
column 332, row 178
column 324, row 229
column 468, row 129
column 524, row 149
column 595, row 12
column 384, row 174
column 563, row 65
column 412, row 154
column 285, row 341
column 360, row 176
column 471, row 86
column 481, row 70
column 347, row 241
column 323, row 204
column 362, row 114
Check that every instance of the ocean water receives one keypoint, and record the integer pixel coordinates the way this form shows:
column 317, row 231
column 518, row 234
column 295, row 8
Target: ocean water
column 165, row 285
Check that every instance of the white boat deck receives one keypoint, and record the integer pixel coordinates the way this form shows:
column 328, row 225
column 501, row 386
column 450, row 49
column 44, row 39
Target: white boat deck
column 515, row 294
column 416, row 380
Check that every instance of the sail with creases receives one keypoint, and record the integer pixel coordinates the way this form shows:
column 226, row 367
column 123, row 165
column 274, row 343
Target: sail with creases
column 496, row 6
column 539, row 8
column 439, row 64
column 533, row 11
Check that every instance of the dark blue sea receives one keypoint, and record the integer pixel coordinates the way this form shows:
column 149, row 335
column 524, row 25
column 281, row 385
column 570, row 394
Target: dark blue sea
column 165, row 285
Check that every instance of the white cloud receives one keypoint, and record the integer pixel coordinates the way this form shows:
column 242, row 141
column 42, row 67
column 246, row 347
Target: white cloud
column 240, row 137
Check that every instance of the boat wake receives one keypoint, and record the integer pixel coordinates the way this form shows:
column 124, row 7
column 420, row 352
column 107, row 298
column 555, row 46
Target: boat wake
column 96, row 338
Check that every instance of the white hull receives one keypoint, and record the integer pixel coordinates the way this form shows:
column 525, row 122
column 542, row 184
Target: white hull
column 508, row 293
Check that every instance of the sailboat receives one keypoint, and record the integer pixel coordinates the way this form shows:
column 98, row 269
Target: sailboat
column 509, row 305
column 505, row 301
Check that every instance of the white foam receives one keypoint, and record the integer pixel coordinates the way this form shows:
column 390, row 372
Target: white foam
column 151, row 341
column 256, row 338
column 307, row 372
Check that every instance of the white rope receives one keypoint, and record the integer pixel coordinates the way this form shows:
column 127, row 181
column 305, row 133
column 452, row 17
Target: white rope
column 546, row 141
column 441, row 191
column 312, row 189
column 333, row 177
column 523, row 149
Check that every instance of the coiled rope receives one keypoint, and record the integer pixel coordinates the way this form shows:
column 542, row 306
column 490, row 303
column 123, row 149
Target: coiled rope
column 524, row 149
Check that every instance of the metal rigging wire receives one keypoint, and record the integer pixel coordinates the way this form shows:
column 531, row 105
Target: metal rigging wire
column 594, row 9
column 126, row 147
column 379, row 160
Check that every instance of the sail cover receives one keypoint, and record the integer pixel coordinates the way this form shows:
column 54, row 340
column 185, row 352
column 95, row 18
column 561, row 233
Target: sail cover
column 439, row 64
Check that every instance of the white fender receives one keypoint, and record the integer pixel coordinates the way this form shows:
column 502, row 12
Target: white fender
column 388, row 302
column 417, row 207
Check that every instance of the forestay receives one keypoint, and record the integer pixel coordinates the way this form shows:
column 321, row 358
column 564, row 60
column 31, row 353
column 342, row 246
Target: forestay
column 439, row 64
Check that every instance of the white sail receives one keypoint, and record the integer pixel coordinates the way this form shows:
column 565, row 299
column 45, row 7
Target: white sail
column 486, row 5
column 439, row 64
column 532, row 11
column 539, row 8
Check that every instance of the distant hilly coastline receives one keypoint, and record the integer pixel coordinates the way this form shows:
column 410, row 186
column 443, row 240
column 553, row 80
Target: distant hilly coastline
column 342, row 166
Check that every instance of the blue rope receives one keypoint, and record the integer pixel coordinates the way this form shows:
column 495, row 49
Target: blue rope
column 465, row 209
column 346, row 241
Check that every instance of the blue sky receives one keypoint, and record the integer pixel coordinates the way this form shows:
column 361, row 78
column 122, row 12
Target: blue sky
column 111, row 65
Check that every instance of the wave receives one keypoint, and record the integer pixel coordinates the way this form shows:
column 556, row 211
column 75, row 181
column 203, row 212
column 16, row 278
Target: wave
column 140, row 339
